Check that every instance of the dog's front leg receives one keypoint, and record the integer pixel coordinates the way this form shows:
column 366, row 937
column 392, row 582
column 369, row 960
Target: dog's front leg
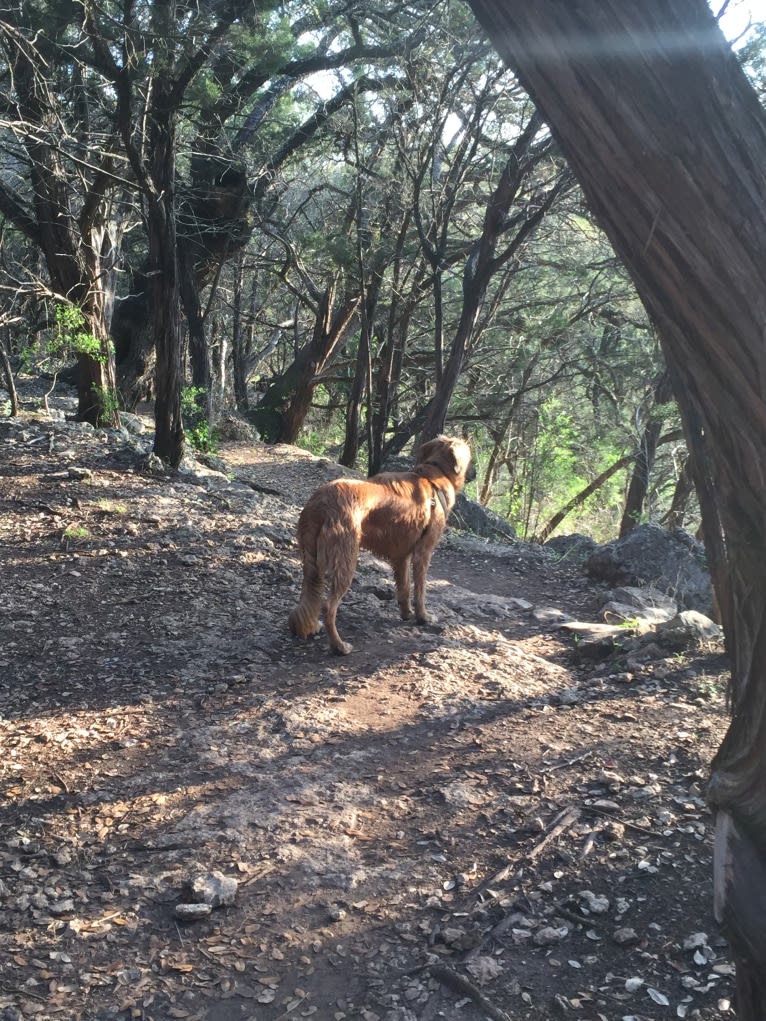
column 402, row 582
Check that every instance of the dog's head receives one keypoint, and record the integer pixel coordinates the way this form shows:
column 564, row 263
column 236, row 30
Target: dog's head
column 453, row 456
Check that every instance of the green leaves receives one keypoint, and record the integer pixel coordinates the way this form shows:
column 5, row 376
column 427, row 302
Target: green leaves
column 72, row 338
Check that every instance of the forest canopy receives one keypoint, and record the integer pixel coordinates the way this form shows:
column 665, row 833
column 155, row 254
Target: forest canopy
column 346, row 223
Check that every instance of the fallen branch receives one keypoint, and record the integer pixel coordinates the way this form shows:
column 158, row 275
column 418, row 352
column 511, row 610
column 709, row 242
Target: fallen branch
column 562, row 822
column 460, row 984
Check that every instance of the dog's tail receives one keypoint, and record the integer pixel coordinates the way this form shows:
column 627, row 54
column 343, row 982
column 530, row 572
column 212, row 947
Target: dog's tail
column 304, row 618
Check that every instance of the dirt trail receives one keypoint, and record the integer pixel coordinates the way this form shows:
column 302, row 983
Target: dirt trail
column 453, row 822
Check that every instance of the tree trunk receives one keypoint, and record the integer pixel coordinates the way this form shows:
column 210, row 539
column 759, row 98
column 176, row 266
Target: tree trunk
column 668, row 140
column 10, row 383
column 238, row 344
column 163, row 283
column 134, row 345
column 283, row 408
column 362, row 378
column 198, row 347
column 681, row 496
column 638, row 486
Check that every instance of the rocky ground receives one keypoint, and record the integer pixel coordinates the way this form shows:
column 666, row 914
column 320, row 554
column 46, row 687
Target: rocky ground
column 461, row 822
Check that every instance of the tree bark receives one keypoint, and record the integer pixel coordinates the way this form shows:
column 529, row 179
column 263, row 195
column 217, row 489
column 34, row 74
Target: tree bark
column 163, row 286
column 282, row 411
column 638, row 486
column 668, row 140
column 10, row 382
column 362, row 375
column 238, row 346
column 681, row 496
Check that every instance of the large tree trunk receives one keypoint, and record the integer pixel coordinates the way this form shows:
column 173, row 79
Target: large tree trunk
column 163, row 283
column 283, row 408
column 668, row 140
column 134, row 342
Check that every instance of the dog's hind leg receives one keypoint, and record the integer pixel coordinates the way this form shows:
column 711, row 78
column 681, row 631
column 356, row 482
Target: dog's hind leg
column 402, row 582
column 337, row 559
column 304, row 618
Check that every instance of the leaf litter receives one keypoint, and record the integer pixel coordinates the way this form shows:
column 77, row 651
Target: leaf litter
column 459, row 822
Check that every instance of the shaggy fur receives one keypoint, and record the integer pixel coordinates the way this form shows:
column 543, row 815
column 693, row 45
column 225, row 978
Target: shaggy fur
column 399, row 516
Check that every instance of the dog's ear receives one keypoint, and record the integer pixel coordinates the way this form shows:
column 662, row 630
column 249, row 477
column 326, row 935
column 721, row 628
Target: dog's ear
column 426, row 452
column 440, row 451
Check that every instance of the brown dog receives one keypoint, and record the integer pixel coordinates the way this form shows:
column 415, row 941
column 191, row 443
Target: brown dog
column 399, row 516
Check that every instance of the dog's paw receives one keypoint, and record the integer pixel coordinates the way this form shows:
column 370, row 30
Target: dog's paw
column 426, row 618
column 343, row 649
column 405, row 611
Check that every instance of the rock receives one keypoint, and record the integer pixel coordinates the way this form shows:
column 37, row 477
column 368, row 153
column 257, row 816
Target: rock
column 641, row 618
column 625, row 936
column 61, row 907
column 644, row 598
column 484, row 969
column 132, row 423
column 597, row 904
column 550, row 615
column 613, row 830
column 671, row 561
column 192, row 912
column 235, row 428
column 549, row 934
column 472, row 517
column 686, row 629
column 214, row 889
column 567, row 696
column 696, row 940
column 572, row 547
column 74, row 428
column 594, row 641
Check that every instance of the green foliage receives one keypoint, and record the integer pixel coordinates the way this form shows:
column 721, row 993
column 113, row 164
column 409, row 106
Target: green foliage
column 111, row 507
column 70, row 337
column 107, row 401
column 196, row 426
column 75, row 533
column 323, row 432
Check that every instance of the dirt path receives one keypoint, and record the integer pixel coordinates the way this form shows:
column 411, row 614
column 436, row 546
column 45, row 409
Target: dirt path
column 453, row 822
